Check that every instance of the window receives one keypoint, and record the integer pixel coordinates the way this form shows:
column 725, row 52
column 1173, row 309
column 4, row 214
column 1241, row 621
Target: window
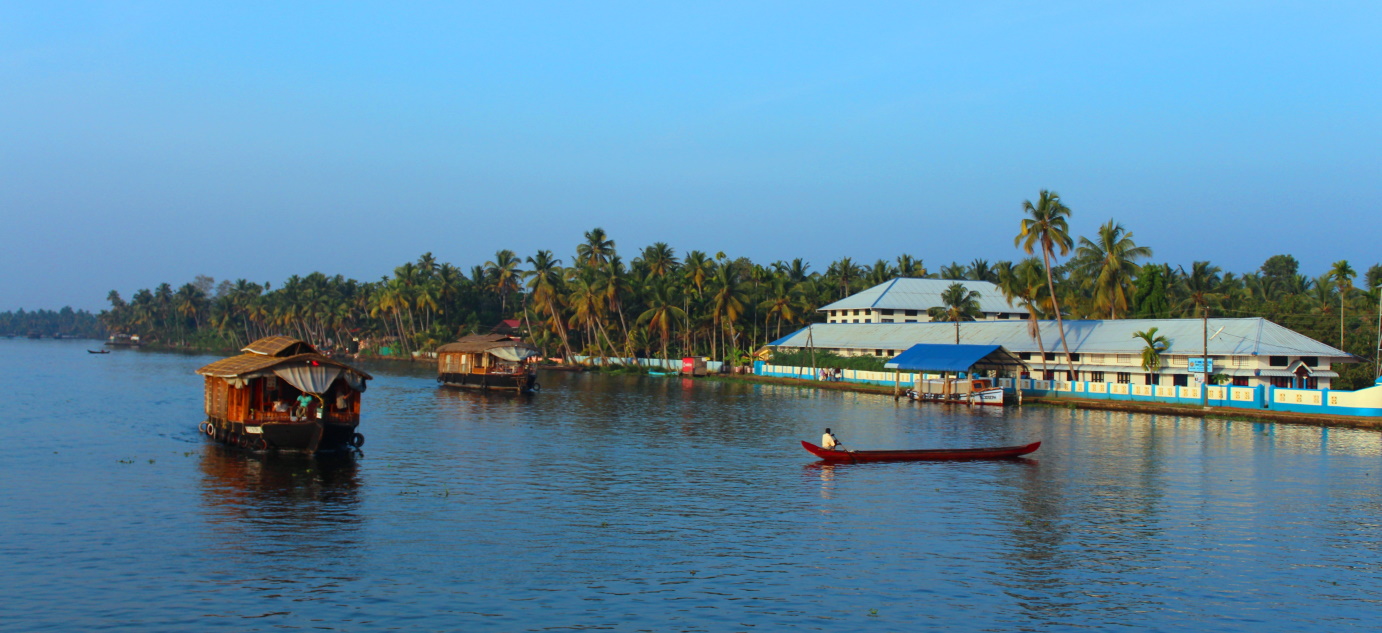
column 878, row 352
column 911, row 313
column 888, row 313
column 1074, row 357
column 1125, row 359
column 886, row 321
column 1282, row 381
column 1050, row 356
column 911, row 320
column 1180, row 380
column 1003, row 316
column 1048, row 375
column 1276, row 361
column 1024, row 356
column 1310, row 361
column 1240, row 381
column 1096, row 376
column 1151, row 379
column 856, row 320
column 1124, row 378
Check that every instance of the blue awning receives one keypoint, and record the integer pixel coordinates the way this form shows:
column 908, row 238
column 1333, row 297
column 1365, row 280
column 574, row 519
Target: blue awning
column 930, row 357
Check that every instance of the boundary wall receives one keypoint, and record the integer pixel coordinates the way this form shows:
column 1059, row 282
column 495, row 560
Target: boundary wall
column 1364, row 402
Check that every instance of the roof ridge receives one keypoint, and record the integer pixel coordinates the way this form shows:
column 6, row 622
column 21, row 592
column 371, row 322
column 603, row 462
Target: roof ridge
column 884, row 293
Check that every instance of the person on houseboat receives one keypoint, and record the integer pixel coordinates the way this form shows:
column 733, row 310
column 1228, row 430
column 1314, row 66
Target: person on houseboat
column 304, row 401
column 829, row 441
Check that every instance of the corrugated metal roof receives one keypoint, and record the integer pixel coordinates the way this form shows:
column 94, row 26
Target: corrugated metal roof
column 906, row 293
column 1229, row 337
column 250, row 363
column 924, row 357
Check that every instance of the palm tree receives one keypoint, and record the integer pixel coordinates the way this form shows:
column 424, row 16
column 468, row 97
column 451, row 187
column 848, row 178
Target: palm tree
column 1155, row 346
column 1342, row 274
column 727, row 302
column 908, row 266
column 1047, row 227
column 503, row 274
column 662, row 312
column 1025, row 284
column 955, row 270
column 545, row 282
column 845, row 272
column 659, row 259
column 1110, row 261
column 980, row 270
column 596, row 249
column 958, row 303
column 697, row 269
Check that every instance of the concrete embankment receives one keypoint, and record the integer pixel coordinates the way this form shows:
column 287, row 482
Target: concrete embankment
column 1105, row 405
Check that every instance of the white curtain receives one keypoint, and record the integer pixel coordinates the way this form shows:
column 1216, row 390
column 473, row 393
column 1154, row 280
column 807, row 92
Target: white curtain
column 515, row 354
column 308, row 378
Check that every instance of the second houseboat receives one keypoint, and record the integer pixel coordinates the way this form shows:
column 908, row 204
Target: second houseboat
column 488, row 362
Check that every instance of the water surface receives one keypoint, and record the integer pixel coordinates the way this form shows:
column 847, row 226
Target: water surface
column 662, row 504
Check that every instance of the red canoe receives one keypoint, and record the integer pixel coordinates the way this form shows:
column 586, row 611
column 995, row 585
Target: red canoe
column 923, row 455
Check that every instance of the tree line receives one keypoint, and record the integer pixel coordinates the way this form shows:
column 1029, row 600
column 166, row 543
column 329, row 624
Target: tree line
column 669, row 304
column 64, row 323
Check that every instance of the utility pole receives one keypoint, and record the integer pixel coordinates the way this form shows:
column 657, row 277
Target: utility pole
column 1204, row 366
column 810, row 345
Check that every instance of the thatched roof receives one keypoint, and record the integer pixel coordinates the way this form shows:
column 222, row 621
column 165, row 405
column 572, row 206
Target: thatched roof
column 477, row 343
column 246, row 364
column 279, row 346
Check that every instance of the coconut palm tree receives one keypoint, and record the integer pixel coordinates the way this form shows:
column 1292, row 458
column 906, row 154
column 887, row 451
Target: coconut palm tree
column 958, row 303
column 662, row 313
column 504, row 275
column 1109, row 260
column 1342, row 275
column 908, row 266
column 1155, row 346
column 1024, row 285
column 1047, row 227
column 727, row 299
column 545, row 284
column 596, row 249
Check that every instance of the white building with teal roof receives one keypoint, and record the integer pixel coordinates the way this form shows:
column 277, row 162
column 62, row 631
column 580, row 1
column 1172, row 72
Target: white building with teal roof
column 907, row 300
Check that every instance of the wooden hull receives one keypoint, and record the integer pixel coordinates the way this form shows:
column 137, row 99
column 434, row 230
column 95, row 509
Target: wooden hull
column 523, row 383
column 306, row 436
column 1004, row 452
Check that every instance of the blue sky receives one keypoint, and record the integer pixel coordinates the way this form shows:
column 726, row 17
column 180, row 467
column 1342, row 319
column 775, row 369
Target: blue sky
column 150, row 142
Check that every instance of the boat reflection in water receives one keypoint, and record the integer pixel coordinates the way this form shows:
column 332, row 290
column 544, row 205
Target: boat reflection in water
column 278, row 504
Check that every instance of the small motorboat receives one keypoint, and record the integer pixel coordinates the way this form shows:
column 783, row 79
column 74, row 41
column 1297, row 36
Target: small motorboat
column 660, row 373
column 98, row 351
column 940, row 454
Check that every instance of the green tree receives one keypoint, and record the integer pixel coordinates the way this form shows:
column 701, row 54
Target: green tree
column 1048, row 229
column 1110, row 260
column 958, row 303
column 1342, row 275
column 1155, row 346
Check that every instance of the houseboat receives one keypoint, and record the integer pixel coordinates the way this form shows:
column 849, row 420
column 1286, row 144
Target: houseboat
column 282, row 394
column 488, row 362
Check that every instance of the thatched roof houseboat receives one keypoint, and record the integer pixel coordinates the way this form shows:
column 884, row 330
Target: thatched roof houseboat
column 282, row 394
column 488, row 361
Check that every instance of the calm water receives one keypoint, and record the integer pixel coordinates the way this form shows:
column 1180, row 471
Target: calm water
column 624, row 503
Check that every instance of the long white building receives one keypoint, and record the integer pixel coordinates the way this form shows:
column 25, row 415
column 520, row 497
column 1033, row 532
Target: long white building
column 907, row 300
column 1251, row 351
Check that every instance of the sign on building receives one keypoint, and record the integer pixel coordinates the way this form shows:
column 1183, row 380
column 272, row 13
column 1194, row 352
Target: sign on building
column 1197, row 366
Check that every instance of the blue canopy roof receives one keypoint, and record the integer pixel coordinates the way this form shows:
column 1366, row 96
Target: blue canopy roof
column 930, row 357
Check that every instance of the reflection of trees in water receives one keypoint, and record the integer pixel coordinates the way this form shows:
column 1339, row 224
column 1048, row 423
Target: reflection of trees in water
column 279, row 507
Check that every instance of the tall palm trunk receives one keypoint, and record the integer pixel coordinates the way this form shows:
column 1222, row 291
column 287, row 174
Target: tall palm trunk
column 1060, row 325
